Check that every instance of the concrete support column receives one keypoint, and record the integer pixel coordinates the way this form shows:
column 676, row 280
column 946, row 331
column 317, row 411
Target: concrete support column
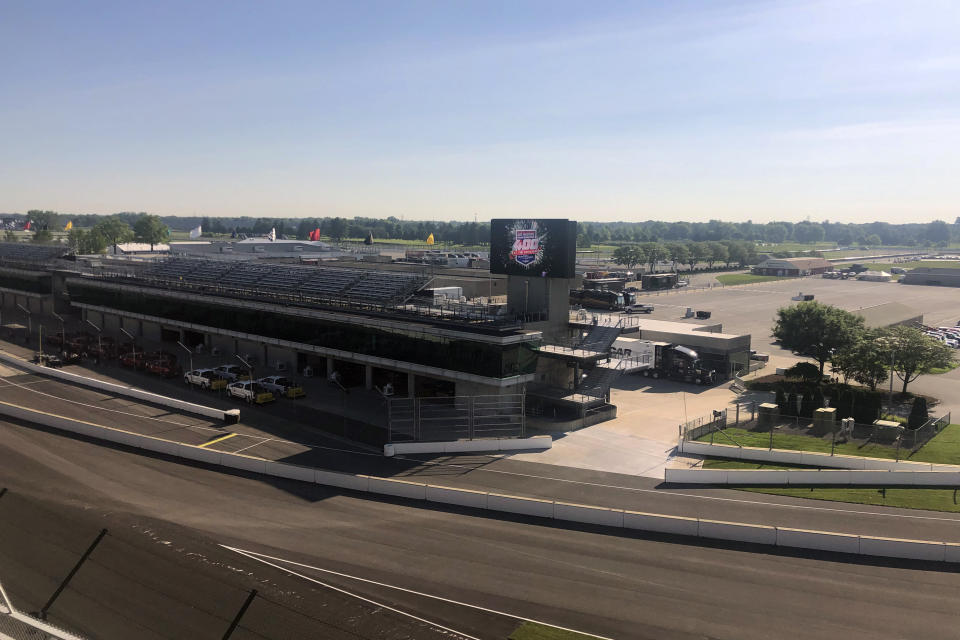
column 368, row 377
column 766, row 416
column 411, row 385
column 329, row 367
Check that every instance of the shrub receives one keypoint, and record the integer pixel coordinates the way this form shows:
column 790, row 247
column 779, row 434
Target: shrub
column 918, row 413
column 781, row 402
column 805, row 371
column 791, row 405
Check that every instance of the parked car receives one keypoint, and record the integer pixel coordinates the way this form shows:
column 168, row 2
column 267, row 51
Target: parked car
column 45, row 360
column 760, row 357
column 134, row 360
column 639, row 308
column 164, row 368
column 232, row 372
column 250, row 392
column 282, row 385
column 205, row 379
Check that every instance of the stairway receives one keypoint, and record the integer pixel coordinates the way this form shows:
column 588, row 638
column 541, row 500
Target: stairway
column 598, row 381
column 600, row 339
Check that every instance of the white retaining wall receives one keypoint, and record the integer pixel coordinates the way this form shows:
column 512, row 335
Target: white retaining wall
column 805, row 477
column 110, row 387
column 555, row 510
column 461, row 446
column 807, row 458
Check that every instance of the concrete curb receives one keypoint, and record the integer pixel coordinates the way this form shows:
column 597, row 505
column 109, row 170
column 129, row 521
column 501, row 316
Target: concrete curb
column 805, row 478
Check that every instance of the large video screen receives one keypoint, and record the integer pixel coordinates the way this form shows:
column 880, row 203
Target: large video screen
column 544, row 248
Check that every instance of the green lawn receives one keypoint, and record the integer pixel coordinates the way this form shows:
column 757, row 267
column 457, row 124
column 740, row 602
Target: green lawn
column 534, row 631
column 944, row 448
column 746, row 278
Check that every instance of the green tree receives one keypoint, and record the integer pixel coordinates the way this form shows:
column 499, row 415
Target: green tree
column 866, row 359
column 918, row 413
column 792, row 404
column 699, row 252
column 113, row 231
column 776, row 232
column 628, row 255
column 679, row 252
column 937, row 233
column 816, row 330
column 653, row 253
column 808, row 232
column 337, row 229
column 915, row 353
column 718, row 253
column 873, row 240
column 807, row 404
column 151, row 230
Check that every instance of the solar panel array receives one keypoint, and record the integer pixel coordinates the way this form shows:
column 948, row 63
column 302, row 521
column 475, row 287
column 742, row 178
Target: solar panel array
column 31, row 252
column 346, row 284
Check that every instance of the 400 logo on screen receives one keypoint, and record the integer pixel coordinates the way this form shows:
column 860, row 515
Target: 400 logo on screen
column 527, row 245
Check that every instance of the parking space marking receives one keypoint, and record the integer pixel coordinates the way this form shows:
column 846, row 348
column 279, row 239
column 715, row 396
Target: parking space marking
column 216, row 440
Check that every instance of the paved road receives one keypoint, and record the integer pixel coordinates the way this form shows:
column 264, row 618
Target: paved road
column 614, row 585
column 481, row 472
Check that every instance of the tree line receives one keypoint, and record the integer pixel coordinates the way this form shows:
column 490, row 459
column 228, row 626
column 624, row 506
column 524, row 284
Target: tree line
column 936, row 233
column 728, row 252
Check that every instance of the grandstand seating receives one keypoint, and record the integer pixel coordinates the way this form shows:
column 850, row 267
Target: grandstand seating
column 19, row 251
column 307, row 283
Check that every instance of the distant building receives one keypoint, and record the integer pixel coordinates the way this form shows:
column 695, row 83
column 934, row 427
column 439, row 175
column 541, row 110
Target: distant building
column 134, row 248
column 875, row 276
column 933, row 276
column 255, row 248
column 792, row 266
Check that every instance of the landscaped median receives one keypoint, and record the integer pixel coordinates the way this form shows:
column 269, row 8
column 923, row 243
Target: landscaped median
column 522, row 505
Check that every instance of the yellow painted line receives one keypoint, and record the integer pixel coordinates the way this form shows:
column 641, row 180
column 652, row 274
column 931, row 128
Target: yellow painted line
column 215, row 440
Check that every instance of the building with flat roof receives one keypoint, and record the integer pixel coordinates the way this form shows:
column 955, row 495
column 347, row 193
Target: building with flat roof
column 889, row 314
column 933, row 276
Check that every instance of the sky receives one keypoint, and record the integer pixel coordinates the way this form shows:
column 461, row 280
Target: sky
column 596, row 111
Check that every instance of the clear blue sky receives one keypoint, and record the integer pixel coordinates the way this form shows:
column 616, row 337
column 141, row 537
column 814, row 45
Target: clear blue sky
column 843, row 110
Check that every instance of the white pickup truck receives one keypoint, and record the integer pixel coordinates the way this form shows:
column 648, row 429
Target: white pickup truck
column 250, row 392
column 205, row 379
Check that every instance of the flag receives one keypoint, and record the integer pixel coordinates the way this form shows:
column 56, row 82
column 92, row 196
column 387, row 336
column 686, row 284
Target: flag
column 69, row 226
column 196, row 233
column 272, row 235
column 430, row 239
column 315, row 234
column 26, row 227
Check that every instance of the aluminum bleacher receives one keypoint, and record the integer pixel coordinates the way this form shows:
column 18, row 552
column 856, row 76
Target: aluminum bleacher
column 309, row 284
column 22, row 252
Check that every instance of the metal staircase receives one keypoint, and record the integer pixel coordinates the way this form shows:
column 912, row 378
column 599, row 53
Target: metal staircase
column 600, row 338
column 598, row 381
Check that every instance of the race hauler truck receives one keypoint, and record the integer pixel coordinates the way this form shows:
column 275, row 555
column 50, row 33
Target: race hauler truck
column 677, row 362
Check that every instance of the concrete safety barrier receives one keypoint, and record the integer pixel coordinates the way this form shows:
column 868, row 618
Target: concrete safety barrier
column 538, row 443
column 231, row 416
column 554, row 510
column 808, row 477
column 806, row 458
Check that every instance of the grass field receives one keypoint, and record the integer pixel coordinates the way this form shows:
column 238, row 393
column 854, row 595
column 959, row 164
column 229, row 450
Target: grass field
column 534, row 631
column 746, row 278
column 944, row 448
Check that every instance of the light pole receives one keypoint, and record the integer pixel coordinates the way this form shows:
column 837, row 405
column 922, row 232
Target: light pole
column 246, row 364
column 133, row 345
column 29, row 321
column 99, row 340
column 187, row 349
column 63, row 330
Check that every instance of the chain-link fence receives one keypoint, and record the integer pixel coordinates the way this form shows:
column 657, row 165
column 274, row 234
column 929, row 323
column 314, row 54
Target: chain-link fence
column 745, row 425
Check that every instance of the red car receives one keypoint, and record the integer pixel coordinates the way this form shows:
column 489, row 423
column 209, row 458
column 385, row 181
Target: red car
column 164, row 368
